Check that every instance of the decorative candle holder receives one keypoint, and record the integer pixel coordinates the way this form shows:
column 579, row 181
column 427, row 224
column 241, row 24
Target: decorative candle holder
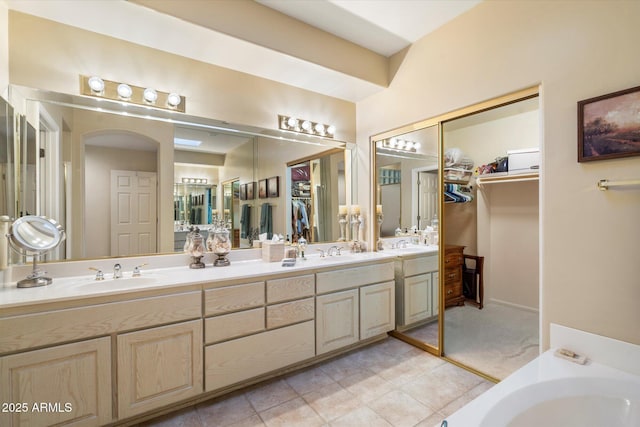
column 380, row 217
column 342, row 220
column 355, row 226
column 196, row 249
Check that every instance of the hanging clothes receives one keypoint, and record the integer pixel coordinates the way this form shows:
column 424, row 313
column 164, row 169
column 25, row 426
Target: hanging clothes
column 245, row 221
column 300, row 217
column 266, row 220
column 456, row 193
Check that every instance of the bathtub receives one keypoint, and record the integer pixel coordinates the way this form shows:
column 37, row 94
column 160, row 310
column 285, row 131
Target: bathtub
column 569, row 402
column 551, row 391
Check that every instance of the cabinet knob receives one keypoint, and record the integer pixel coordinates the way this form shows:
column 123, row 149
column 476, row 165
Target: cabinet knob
column 449, row 292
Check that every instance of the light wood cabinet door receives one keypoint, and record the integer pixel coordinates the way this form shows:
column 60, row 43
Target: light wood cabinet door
column 68, row 384
column 417, row 298
column 377, row 309
column 159, row 366
column 337, row 318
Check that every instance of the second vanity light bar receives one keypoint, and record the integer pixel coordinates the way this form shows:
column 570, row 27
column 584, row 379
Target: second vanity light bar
column 101, row 88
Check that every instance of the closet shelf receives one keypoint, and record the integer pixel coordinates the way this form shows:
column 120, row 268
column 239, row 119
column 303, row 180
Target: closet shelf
column 492, row 179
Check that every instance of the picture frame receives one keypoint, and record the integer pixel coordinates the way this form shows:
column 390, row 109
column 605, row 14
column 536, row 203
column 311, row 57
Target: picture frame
column 251, row 190
column 243, row 191
column 609, row 126
column 273, row 186
column 262, row 189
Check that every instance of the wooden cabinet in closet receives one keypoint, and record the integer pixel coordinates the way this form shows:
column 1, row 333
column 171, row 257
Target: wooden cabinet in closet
column 453, row 260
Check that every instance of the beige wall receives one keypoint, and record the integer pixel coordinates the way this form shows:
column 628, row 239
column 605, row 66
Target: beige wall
column 4, row 49
column 575, row 50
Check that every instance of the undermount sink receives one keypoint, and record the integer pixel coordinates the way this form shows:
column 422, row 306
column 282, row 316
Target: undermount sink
column 111, row 283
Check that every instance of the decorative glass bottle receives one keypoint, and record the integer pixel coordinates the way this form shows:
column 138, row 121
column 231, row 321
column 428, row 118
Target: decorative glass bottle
column 219, row 244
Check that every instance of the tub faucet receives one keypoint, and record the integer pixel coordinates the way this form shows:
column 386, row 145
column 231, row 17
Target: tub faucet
column 117, row 271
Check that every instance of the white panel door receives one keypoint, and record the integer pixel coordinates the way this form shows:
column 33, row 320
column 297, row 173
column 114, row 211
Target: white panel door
column 133, row 212
column 427, row 198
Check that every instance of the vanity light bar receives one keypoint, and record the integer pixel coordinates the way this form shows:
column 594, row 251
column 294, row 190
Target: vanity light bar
column 401, row 145
column 308, row 127
column 117, row 91
column 194, row 180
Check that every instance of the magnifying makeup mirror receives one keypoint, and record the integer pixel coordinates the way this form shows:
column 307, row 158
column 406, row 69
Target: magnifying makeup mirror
column 35, row 235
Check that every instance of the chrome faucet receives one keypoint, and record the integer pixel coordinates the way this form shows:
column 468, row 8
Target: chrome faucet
column 322, row 253
column 401, row 244
column 333, row 250
column 117, row 271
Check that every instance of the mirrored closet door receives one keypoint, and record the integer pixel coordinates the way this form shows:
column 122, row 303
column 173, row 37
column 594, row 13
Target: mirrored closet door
column 468, row 188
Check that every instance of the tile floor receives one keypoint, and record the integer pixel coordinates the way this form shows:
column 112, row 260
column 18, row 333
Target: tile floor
column 388, row 383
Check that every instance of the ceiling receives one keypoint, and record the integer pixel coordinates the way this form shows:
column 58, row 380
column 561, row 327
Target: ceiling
column 240, row 34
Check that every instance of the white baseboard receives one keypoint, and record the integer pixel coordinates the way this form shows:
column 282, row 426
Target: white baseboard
column 510, row 304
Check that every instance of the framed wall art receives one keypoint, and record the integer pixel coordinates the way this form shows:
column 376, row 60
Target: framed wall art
column 273, row 186
column 243, row 191
column 251, row 190
column 609, row 126
column 262, row 189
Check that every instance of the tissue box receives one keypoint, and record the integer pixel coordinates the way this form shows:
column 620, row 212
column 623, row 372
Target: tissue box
column 272, row 251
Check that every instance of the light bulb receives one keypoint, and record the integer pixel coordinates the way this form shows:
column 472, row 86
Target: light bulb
column 416, row 145
column 306, row 125
column 393, row 142
column 292, row 122
column 150, row 95
column 124, row 91
column 331, row 130
column 96, row 84
column 319, row 128
column 173, row 99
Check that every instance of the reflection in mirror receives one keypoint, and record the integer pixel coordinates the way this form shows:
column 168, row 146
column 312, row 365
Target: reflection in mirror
column 7, row 160
column 314, row 206
column 407, row 196
column 118, row 176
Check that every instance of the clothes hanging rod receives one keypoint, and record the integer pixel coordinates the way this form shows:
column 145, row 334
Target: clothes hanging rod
column 604, row 184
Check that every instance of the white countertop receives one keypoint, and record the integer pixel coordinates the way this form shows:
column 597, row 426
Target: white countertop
column 71, row 287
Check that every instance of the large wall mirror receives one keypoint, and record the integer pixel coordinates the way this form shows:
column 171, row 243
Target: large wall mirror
column 406, row 198
column 129, row 180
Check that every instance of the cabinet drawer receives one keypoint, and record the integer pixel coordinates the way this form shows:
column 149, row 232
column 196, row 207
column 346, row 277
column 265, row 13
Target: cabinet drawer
column 452, row 290
column 290, row 312
column 452, row 275
column 58, row 326
column 420, row 265
column 290, row 288
column 243, row 358
column 353, row 277
column 233, row 298
column 227, row 326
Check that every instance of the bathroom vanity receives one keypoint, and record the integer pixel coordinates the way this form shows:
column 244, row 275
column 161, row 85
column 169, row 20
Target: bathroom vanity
column 115, row 351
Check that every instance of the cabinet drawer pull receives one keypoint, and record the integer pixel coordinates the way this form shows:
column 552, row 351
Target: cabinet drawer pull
column 452, row 275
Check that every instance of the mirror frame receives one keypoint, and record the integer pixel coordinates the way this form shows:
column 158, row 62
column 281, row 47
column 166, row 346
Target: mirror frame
column 374, row 230
column 20, row 95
